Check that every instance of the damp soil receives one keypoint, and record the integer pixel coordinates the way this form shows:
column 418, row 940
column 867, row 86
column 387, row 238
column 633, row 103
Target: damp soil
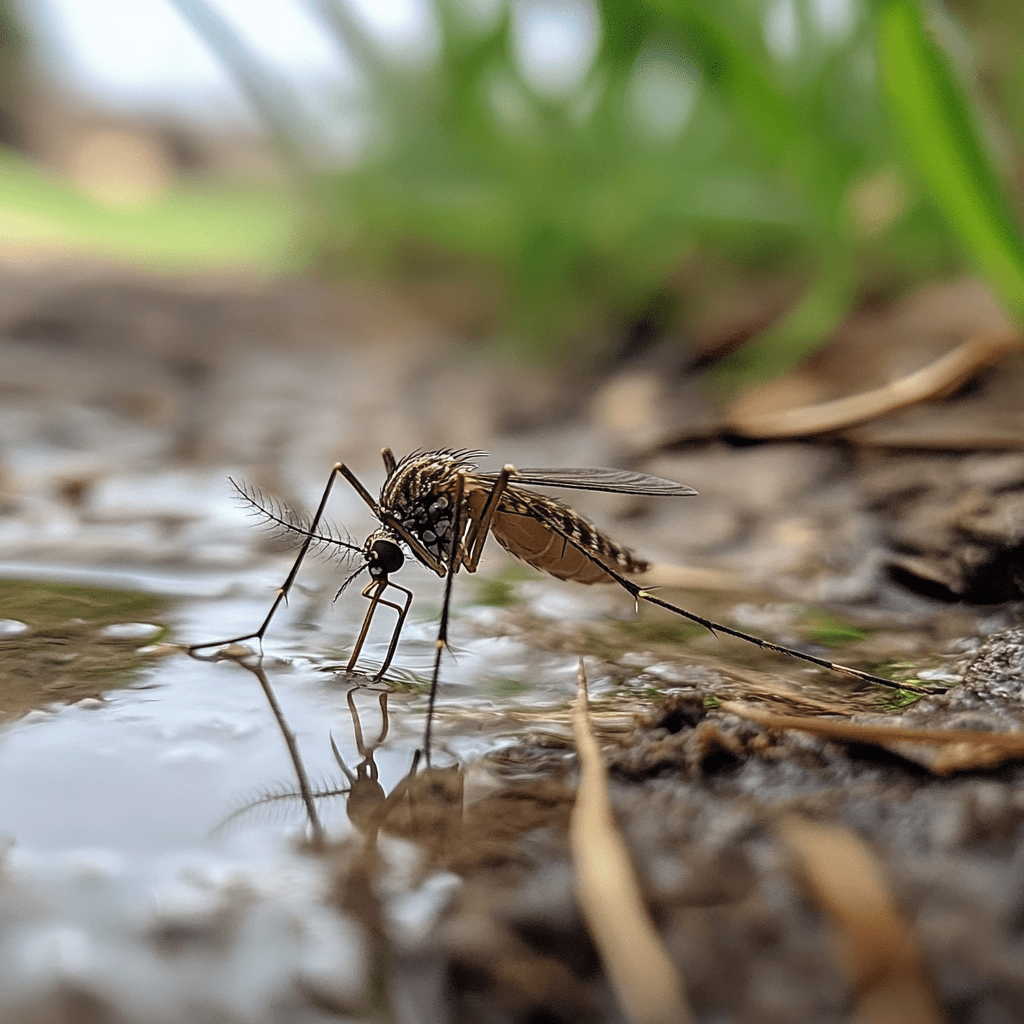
column 159, row 861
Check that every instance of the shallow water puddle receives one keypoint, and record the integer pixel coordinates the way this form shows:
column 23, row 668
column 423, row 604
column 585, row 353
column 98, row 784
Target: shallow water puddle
column 126, row 857
column 155, row 767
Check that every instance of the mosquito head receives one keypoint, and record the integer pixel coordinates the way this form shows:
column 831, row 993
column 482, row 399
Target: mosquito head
column 383, row 554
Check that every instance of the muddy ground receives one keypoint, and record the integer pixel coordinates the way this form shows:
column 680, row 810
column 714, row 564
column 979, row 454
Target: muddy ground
column 896, row 547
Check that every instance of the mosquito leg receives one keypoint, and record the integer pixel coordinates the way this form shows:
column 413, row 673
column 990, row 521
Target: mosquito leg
column 402, row 610
column 442, row 633
column 377, row 586
column 282, row 591
column 356, row 485
column 638, row 594
column 389, row 460
column 478, row 532
column 378, row 599
column 293, row 751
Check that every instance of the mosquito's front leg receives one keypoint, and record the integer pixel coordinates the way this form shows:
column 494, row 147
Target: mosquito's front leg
column 378, row 587
column 339, row 468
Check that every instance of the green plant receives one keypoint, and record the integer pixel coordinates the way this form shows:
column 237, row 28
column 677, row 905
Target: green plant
column 748, row 129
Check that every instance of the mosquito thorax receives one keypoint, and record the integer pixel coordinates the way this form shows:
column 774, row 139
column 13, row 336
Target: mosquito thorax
column 383, row 556
column 419, row 493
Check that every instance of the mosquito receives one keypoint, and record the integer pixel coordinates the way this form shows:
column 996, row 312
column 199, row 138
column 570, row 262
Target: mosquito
column 437, row 506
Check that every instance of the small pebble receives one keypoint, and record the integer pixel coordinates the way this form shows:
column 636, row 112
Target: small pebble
column 130, row 631
column 12, row 627
column 36, row 716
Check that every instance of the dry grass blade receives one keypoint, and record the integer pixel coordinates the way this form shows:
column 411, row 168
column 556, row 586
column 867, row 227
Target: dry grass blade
column 874, row 944
column 936, row 380
column 957, row 749
column 643, row 977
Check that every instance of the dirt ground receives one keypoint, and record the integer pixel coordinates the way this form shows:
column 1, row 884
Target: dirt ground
column 896, row 543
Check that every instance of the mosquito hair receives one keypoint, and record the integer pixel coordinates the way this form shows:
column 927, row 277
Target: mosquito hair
column 280, row 521
column 285, row 795
column 351, row 577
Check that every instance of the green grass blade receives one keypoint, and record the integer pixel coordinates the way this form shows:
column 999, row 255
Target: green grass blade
column 943, row 141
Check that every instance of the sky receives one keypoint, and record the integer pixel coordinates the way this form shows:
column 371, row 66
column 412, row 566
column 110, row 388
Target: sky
column 144, row 54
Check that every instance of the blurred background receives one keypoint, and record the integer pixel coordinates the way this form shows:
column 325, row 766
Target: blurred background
column 566, row 180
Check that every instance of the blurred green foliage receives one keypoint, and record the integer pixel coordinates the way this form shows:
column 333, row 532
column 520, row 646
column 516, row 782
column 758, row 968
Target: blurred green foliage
column 199, row 224
column 778, row 136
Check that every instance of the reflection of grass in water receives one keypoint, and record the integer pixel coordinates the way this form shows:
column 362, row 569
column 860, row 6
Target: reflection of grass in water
column 900, row 700
column 658, row 630
column 620, row 636
column 501, row 589
column 828, row 629
column 497, row 592
column 508, row 687
column 63, row 657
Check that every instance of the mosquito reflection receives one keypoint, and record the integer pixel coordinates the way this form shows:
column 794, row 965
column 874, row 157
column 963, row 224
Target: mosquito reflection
column 424, row 801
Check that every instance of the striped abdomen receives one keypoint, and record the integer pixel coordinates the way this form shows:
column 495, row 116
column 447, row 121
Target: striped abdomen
column 554, row 539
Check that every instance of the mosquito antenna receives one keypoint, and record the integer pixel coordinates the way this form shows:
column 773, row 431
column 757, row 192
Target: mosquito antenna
column 289, row 796
column 281, row 521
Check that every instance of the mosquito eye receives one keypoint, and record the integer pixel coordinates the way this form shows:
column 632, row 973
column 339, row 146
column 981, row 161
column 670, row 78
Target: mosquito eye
column 386, row 556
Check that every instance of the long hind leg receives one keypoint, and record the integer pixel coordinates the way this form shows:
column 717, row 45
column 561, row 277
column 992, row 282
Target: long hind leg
column 638, row 594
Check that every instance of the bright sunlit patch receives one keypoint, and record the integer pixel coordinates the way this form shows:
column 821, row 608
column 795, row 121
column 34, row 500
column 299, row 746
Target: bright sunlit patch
column 407, row 29
column 662, row 92
column 834, row 19
column 133, row 53
column 555, row 42
column 781, row 31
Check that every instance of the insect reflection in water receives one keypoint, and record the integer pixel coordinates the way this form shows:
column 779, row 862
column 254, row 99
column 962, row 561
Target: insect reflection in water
column 441, row 509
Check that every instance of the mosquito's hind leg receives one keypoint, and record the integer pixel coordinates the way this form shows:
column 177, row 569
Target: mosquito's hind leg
column 283, row 590
column 375, row 600
column 640, row 594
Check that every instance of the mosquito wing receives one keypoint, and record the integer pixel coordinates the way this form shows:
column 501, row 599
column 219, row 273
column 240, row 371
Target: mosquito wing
column 618, row 481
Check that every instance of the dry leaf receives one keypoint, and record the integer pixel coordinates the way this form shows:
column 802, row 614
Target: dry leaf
column 875, row 945
column 639, row 969
column 937, row 380
column 941, row 751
